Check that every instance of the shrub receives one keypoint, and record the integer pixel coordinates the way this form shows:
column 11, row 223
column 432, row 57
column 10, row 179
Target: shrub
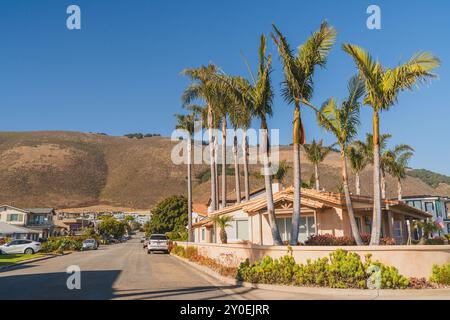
column 342, row 269
column 390, row 277
column 178, row 250
column 435, row 241
column 330, row 240
column 69, row 243
column 441, row 274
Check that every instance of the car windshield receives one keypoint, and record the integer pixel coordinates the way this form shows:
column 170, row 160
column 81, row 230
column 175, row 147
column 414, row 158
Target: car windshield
column 158, row 237
column 89, row 241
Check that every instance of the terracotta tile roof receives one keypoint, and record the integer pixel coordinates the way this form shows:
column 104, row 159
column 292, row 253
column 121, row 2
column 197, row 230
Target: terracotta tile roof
column 316, row 200
column 200, row 208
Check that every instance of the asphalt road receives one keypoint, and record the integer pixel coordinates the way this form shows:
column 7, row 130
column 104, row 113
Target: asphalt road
column 121, row 271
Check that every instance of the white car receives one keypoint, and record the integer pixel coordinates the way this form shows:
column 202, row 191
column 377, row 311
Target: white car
column 158, row 242
column 20, row 246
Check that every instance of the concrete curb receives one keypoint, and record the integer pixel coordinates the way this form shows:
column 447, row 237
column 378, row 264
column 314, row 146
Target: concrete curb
column 314, row 290
column 12, row 266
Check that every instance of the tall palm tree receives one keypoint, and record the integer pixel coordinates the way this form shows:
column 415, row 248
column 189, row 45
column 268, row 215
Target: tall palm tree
column 243, row 113
column 342, row 121
column 186, row 122
column 235, row 119
column 382, row 88
column 258, row 99
column 358, row 161
column 397, row 162
column 204, row 87
column 316, row 153
column 298, row 88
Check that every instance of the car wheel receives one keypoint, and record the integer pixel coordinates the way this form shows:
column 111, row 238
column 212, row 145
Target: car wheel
column 167, row 252
column 29, row 251
column 149, row 252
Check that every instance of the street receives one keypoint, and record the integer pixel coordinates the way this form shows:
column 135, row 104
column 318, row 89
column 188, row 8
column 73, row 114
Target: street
column 121, row 271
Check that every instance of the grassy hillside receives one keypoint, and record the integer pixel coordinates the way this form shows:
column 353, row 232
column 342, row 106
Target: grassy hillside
column 72, row 169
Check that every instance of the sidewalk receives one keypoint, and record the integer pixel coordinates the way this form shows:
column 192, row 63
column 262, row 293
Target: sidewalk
column 277, row 292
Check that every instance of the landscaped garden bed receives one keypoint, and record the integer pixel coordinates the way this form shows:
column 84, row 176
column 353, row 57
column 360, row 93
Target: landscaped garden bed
column 342, row 269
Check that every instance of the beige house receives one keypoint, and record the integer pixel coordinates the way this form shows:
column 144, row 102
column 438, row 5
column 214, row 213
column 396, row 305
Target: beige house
column 321, row 213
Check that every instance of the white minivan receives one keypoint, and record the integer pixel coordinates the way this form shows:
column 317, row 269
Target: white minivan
column 20, row 246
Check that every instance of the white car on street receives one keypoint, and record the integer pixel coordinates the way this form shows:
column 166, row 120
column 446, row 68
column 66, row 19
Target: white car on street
column 20, row 246
column 158, row 242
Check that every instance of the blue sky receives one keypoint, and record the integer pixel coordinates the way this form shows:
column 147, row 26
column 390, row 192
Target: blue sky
column 121, row 72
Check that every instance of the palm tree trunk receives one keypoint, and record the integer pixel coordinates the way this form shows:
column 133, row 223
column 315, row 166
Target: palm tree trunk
column 268, row 185
column 216, row 169
column 224, row 162
column 348, row 201
column 399, row 189
column 316, row 173
column 212, row 160
column 189, row 151
column 357, row 184
column 237, row 176
column 383, row 185
column 376, row 220
column 246, row 177
column 297, row 177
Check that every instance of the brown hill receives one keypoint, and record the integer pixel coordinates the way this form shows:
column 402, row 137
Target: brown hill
column 72, row 169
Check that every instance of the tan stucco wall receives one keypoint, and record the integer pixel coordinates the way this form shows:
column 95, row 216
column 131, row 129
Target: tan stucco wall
column 411, row 261
column 330, row 221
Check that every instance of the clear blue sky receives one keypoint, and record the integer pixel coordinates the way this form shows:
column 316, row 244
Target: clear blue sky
column 120, row 73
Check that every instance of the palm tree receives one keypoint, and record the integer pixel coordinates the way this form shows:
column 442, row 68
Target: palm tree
column 382, row 88
column 186, row 122
column 342, row 121
column 222, row 222
column 366, row 150
column 204, row 87
column 358, row 161
column 316, row 153
column 298, row 88
column 282, row 171
column 397, row 162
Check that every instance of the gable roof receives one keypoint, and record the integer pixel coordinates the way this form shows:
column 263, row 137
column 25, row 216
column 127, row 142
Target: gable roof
column 14, row 208
column 200, row 208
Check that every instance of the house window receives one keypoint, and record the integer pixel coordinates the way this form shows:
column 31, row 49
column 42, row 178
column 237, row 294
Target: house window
column 429, row 207
column 242, row 229
column 238, row 230
column 397, row 231
column 448, row 228
column 358, row 223
column 307, row 228
column 14, row 217
column 203, row 234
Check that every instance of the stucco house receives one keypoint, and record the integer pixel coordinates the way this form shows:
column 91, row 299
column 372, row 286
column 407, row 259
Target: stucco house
column 438, row 206
column 39, row 220
column 321, row 213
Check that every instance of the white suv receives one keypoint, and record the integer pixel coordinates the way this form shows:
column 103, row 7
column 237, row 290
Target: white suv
column 158, row 242
column 21, row 246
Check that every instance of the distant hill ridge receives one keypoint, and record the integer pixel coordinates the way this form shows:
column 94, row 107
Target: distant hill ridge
column 65, row 169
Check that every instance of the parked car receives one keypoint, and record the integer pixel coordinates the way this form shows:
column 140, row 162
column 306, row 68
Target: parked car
column 20, row 246
column 158, row 242
column 90, row 244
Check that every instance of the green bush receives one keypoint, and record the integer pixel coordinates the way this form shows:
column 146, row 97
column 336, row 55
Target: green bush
column 69, row 243
column 178, row 251
column 342, row 269
column 390, row 277
column 441, row 274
